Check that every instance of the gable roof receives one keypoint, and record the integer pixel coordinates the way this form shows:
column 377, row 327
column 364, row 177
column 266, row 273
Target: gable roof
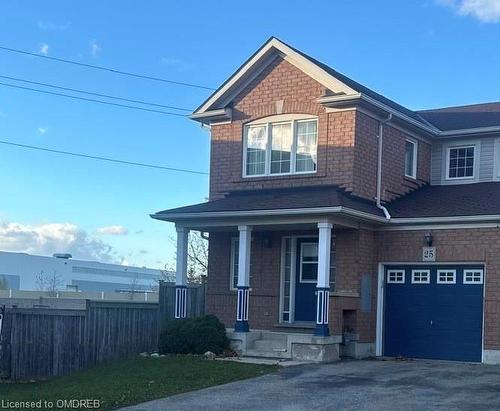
column 436, row 122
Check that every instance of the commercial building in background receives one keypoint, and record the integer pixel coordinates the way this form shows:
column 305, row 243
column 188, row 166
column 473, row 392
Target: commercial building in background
column 21, row 271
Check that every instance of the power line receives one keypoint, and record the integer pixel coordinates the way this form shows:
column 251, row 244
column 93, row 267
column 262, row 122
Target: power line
column 92, row 100
column 113, row 160
column 94, row 94
column 125, row 73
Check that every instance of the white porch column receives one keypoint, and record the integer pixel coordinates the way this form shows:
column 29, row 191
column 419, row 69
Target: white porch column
column 243, row 286
column 181, row 272
column 323, row 284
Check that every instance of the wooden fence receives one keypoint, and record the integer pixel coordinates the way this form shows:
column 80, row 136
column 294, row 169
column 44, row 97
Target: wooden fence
column 45, row 342
column 195, row 301
column 40, row 343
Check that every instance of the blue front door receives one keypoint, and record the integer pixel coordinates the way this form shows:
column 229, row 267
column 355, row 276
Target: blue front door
column 306, row 276
column 434, row 312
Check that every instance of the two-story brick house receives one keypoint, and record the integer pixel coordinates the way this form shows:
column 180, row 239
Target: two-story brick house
column 342, row 222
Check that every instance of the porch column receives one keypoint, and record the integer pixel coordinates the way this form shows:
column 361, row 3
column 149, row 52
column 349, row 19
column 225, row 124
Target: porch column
column 181, row 272
column 323, row 284
column 243, row 286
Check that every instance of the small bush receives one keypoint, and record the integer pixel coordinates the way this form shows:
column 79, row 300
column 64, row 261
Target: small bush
column 194, row 336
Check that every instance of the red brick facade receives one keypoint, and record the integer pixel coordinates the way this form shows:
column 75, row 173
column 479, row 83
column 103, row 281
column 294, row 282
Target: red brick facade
column 358, row 253
column 347, row 157
column 347, row 141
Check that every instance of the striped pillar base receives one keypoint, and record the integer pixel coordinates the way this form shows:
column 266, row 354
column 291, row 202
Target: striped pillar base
column 322, row 312
column 242, row 310
column 180, row 301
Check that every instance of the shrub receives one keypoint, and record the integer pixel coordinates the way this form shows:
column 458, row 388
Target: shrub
column 194, row 336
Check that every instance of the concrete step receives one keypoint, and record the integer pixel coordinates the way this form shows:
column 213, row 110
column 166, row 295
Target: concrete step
column 274, row 336
column 269, row 345
column 267, row 354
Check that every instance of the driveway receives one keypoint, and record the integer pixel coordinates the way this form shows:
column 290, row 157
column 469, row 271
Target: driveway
column 352, row 385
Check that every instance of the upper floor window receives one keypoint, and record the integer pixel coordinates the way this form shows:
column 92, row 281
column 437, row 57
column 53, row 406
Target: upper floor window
column 460, row 162
column 411, row 159
column 280, row 147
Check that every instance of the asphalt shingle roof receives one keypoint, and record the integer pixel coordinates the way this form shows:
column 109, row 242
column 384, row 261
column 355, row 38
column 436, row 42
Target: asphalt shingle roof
column 449, row 201
column 282, row 198
column 464, row 117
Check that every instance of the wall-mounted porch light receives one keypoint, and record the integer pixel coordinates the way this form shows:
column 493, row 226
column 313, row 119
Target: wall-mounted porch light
column 428, row 238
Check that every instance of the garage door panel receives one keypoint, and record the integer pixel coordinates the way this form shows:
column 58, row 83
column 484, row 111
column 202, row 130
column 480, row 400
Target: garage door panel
column 433, row 320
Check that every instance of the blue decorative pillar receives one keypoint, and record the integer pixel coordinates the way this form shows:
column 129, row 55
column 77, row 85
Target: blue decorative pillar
column 243, row 286
column 323, row 284
column 242, row 310
column 181, row 273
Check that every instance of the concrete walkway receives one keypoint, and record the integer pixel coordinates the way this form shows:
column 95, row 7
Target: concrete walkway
column 351, row 385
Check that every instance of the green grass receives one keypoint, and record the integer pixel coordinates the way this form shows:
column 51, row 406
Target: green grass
column 135, row 380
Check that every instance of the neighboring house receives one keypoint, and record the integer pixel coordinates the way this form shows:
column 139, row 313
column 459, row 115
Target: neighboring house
column 344, row 220
column 60, row 272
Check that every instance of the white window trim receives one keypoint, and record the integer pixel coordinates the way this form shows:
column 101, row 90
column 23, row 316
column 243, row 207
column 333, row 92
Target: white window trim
column 413, row 272
column 439, row 281
column 396, row 281
column 474, row 168
column 415, row 158
column 307, row 262
column 474, row 271
column 279, row 119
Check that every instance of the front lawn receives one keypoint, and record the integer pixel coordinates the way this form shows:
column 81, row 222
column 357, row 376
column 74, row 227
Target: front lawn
column 133, row 381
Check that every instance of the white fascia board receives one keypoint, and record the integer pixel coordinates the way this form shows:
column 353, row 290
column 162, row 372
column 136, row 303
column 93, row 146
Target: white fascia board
column 299, row 61
column 469, row 131
column 275, row 212
column 222, row 114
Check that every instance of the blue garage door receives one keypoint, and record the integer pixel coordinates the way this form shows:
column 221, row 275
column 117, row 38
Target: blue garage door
column 434, row 312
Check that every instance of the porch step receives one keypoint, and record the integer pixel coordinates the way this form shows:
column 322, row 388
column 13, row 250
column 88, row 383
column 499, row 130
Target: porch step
column 267, row 354
column 270, row 345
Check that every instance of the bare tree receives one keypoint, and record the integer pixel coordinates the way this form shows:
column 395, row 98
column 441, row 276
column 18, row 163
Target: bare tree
column 50, row 282
column 197, row 259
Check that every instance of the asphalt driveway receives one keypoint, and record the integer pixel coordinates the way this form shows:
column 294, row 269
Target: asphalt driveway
column 352, row 385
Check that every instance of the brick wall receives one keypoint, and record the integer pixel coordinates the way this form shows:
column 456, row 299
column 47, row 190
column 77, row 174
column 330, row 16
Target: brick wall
column 394, row 182
column 347, row 142
column 464, row 245
column 355, row 257
column 281, row 81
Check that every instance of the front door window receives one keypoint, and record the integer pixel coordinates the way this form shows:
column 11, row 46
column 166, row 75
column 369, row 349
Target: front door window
column 309, row 262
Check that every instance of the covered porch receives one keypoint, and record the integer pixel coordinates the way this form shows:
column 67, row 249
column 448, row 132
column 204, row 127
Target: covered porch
column 285, row 282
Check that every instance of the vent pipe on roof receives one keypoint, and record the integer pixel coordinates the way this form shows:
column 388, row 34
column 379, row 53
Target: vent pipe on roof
column 381, row 125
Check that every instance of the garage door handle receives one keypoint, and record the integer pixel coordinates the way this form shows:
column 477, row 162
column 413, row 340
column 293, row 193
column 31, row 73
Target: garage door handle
column 431, row 322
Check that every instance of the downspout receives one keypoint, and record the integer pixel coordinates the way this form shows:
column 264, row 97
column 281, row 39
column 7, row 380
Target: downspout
column 381, row 125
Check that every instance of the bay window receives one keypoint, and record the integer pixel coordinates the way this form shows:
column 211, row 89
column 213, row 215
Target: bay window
column 280, row 147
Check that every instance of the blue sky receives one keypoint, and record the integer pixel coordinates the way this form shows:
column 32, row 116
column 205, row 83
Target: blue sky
column 423, row 54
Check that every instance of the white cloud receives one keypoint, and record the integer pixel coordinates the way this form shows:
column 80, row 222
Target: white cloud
column 487, row 11
column 42, row 130
column 95, row 48
column 44, row 48
column 51, row 26
column 113, row 230
column 47, row 239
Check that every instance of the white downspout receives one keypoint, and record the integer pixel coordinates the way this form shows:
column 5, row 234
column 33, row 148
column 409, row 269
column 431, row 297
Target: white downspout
column 379, row 164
